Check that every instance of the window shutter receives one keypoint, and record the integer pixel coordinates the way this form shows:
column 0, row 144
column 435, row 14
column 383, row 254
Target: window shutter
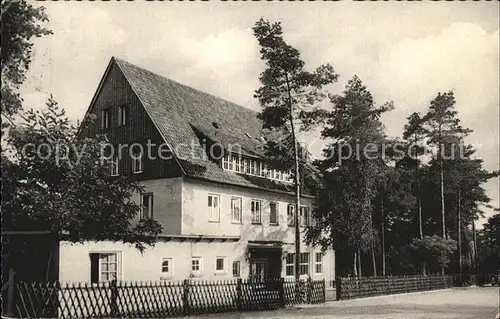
column 94, row 267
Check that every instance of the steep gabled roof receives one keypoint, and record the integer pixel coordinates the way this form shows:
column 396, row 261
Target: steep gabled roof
column 178, row 111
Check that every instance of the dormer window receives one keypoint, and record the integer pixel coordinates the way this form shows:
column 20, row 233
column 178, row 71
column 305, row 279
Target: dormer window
column 253, row 168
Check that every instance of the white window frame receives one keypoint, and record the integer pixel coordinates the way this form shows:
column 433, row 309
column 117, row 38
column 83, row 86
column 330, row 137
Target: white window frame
column 200, row 265
column 290, row 265
column 246, row 166
column 225, row 163
column 236, row 266
column 137, row 159
column 122, row 115
column 237, row 164
column 305, row 264
column 239, row 217
column 254, row 211
column 170, row 267
column 318, row 262
column 223, row 270
column 213, row 211
column 150, row 213
column 114, row 166
column 253, row 167
column 305, row 219
column 276, row 204
column 117, row 262
column 290, row 221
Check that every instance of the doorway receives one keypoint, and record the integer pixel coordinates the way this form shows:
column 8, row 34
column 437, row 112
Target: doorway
column 265, row 263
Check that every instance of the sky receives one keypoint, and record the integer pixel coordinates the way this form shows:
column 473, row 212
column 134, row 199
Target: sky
column 405, row 52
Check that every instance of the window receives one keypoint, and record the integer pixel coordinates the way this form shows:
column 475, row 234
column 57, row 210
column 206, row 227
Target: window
column 246, row 166
column 113, row 166
column 236, row 210
column 105, row 119
column 273, row 213
column 304, row 216
column 291, row 215
column 196, row 265
column 253, row 166
column 220, row 264
column 104, row 267
column 237, row 166
column 279, row 175
column 319, row 263
column 304, row 264
column 264, row 172
column 236, row 268
column 147, row 206
column 137, row 163
column 225, row 163
column 255, row 207
column 213, row 208
column 290, row 264
column 258, row 168
column 167, row 267
column 122, row 115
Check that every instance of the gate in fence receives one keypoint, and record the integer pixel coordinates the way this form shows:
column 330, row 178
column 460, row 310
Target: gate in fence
column 159, row 299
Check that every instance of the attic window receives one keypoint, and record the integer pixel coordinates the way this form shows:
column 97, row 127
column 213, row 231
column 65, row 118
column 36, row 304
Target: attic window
column 215, row 124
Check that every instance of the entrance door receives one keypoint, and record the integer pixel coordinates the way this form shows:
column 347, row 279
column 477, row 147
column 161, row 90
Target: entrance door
column 258, row 269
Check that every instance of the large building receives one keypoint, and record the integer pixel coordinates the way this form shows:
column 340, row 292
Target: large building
column 224, row 213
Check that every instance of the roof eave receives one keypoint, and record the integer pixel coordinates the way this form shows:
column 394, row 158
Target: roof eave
column 247, row 186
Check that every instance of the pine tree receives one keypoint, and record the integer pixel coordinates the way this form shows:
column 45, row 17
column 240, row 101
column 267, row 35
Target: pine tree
column 288, row 93
column 442, row 124
column 351, row 179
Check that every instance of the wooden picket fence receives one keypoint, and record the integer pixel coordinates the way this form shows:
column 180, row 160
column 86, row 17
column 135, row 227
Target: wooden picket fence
column 160, row 299
column 358, row 287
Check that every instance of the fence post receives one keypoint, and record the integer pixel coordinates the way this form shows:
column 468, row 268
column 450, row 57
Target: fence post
column 185, row 296
column 282, row 292
column 10, row 293
column 238, row 294
column 113, row 301
column 338, row 288
column 324, row 290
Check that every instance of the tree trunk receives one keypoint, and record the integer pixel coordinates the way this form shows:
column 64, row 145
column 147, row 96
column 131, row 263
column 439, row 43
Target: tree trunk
column 383, row 243
column 355, row 264
column 441, row 185
column 419, row 205
column 459, row 233
column 374, row 261
column 296, row 181
column 420, row 227
column 474, row 243
column 359, row 263
column 49, row 262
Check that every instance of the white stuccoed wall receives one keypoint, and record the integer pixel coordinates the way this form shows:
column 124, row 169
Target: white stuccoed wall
column 181, row 207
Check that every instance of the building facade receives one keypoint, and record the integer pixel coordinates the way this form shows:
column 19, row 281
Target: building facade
column 225, row 213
